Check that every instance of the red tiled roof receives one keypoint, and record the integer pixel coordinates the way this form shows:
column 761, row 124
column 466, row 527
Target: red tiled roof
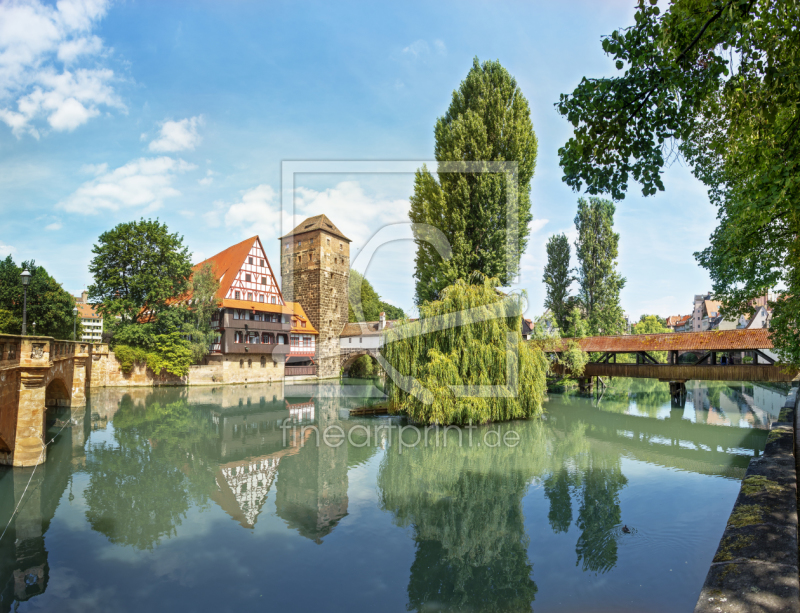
column 365, row 328
column 714, row 340
column 227, row 263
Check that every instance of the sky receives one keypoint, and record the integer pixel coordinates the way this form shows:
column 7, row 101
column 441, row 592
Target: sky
column 223, row 118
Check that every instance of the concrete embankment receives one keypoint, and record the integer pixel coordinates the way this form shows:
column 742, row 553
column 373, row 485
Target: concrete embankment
column 755, row 568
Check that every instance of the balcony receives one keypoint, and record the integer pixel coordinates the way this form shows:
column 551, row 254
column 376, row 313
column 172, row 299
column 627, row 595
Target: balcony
column 279, row 352
column 229, row 323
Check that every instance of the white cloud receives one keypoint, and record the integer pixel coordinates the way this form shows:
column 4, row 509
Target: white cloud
column 178, row 135
column 6, row 249
column 56, row 225
column 417, row 49
column 357, row 214
column 354, row 212
column 37, row 43
column 144, row 183
column 440, row 47
column 208, row 179
column 258, row 212
column 536, row 225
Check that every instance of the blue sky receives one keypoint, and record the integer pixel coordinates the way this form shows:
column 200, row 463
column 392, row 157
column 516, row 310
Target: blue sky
column 110, row 111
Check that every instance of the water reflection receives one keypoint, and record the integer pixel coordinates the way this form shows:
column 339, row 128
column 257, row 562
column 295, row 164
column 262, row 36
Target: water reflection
column 146, row 458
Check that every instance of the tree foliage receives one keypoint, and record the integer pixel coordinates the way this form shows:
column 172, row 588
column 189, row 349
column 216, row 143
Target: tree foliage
column 202, row 305
column 717, row 82
column 49, row 305
column 461, row 340
column 488, row 121
column 598, row 279
column 138, row 268
column 558, row 278
column 371, row 304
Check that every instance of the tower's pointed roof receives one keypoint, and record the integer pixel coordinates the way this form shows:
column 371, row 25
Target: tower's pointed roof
column 318, row 222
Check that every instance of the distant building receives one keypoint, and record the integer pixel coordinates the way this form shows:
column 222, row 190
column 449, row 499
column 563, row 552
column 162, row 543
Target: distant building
column 91, row 321
column 705, row 312
column 527, row 329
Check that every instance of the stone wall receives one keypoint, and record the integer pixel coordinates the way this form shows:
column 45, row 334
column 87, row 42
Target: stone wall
column 315, row 271
column 755, row 568
column 232, row 368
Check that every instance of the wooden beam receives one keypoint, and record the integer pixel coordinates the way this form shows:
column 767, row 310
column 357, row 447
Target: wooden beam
column 761, row 354
column 702, row 359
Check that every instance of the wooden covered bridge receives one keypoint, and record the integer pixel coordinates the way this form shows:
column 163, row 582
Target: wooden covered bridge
column 717, row 355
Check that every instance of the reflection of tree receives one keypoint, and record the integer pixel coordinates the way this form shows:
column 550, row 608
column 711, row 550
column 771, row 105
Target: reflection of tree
column 141, row 487
column 465, row 506
column 598, row 515
column 557, row 491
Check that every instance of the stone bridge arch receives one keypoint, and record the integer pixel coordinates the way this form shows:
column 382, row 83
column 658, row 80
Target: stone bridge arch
column 349, row 356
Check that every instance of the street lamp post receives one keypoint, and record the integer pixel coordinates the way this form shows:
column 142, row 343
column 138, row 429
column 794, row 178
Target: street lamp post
column 74, row 321
column 26, row 278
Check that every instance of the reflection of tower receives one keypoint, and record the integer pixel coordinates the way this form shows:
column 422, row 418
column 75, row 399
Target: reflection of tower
column 315, row 269
column 312, row 485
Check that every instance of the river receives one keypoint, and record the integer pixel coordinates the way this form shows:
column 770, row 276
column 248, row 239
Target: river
column 220, row 499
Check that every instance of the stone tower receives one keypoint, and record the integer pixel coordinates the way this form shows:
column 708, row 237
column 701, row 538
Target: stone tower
column 315, row 271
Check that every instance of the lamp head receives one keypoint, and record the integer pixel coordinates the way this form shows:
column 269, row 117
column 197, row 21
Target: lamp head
column 26, row 277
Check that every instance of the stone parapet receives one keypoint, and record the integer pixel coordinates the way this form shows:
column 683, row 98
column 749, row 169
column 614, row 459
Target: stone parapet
column 755, row 568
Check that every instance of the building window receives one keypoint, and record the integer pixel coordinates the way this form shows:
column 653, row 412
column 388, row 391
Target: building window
column 274, row 300
column 262, row 263
column 329, row 242
column 299, row 244
column 287, row 247
column 261, row 297
column 299, row 258
column 249, row 295
column 241, row 363
column 349, row 340
column 306, row 341
column 263, row 280
column 237, row 295
column 311, row 242
column 237, row 337
column 250, row 261
column 263, row 359
column 341, row 246
column 249, row 363
column 247, row 277
column 303, row 324
column 360, row 340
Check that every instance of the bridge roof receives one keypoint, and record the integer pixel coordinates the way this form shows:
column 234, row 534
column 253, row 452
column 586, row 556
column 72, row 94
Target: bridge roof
column 713, row 340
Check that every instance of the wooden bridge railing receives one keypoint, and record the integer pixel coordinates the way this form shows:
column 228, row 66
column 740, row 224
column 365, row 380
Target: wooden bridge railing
column 687, row 372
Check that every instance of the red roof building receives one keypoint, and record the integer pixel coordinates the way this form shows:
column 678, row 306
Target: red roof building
column 253, row 317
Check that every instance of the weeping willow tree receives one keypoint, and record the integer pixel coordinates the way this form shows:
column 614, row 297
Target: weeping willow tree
column 464, row 360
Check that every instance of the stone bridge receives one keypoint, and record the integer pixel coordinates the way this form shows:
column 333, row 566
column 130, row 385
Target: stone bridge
column 349, row 355
column 36, row 373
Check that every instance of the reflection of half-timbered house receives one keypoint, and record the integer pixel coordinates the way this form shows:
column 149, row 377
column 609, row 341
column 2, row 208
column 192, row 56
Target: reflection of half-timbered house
column 256, row 328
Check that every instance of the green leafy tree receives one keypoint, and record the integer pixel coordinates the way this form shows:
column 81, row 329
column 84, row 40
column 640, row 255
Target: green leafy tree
column 488, row 121
column 203, row 303
column 598, row 279
column 653, row 324
column 49, row 305
column 443, row 351
column 715, row 82
column 558, row 278
column 138, row 268
column 371, row 303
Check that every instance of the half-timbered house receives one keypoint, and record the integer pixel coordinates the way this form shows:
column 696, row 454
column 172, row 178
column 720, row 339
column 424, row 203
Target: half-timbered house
column 256, row 328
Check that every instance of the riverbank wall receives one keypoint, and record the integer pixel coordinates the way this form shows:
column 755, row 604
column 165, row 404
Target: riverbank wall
column 105, row 371
column 755, row 569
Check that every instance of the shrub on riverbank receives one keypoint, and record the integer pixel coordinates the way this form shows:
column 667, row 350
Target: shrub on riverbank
column 463, row 340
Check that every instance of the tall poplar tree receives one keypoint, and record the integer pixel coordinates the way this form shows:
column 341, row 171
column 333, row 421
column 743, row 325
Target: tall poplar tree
column 597, row 251
column 488, row 121
column 558, row 278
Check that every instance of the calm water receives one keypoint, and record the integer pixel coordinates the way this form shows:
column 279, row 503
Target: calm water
column 192, row 500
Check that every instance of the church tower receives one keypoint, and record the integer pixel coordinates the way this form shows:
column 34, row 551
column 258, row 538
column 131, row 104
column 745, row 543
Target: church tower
column 315, row 271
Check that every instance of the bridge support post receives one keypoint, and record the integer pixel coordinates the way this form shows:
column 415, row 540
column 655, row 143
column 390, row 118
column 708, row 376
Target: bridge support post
column 28, row 445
